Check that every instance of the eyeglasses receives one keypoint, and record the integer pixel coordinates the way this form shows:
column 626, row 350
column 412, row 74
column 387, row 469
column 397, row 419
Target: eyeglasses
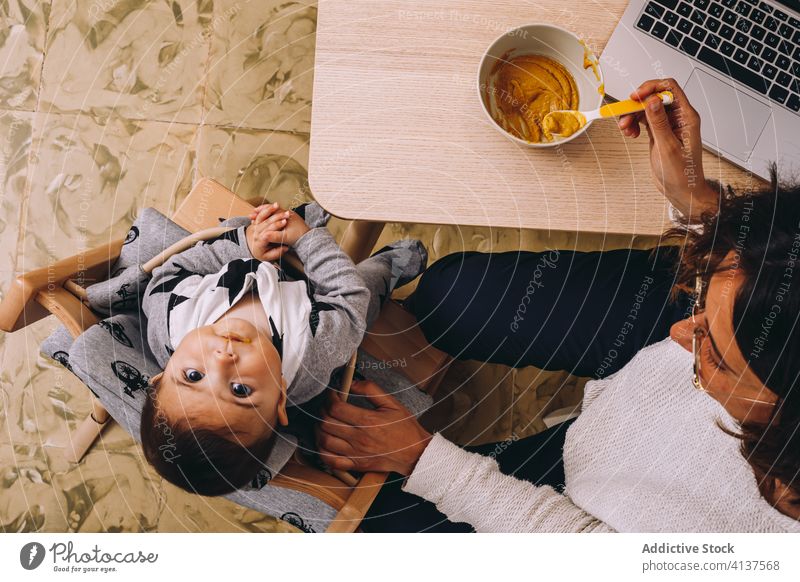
column 697, row 340
column 698, row 331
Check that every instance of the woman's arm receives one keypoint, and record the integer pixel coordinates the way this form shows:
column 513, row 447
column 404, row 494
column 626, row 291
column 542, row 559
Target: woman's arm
column 467, row 487
column 676, row 148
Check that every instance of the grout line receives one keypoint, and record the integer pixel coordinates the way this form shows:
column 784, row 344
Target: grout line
column 204, row 91
column 23, row 207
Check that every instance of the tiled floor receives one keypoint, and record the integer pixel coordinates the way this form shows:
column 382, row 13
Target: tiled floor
column 110, row 106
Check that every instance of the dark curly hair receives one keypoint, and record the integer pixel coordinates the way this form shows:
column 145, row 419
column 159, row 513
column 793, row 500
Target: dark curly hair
column 198, row 460
column 762, row 228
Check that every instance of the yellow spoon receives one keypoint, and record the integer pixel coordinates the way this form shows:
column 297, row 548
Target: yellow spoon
column 565, row 122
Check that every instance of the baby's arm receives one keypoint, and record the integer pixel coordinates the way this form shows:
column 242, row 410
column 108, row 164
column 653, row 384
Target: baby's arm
column 204, row 258
column 339, row 308
column 337, row 291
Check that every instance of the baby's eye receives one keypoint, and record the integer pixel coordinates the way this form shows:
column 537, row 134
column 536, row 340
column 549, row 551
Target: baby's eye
column 192, row 375
column 240, row 390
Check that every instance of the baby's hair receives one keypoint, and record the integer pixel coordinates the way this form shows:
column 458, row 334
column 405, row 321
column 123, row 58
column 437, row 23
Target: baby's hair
column 198, row 460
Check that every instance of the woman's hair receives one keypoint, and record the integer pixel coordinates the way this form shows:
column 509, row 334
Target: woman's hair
column 199, row 460
column 761, row 228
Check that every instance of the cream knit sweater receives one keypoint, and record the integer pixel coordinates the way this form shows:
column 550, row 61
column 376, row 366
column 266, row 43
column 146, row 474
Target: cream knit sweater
column 645, row 455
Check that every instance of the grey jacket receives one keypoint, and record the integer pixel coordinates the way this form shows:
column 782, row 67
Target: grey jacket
column 338, row 295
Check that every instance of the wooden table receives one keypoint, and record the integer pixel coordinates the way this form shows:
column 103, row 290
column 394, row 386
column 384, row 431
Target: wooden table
column 398, row 133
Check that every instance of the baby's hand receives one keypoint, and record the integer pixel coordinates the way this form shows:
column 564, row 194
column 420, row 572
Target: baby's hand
column 288, row 226
column 264, row 234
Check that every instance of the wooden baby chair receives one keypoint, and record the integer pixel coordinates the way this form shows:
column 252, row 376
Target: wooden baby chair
column 58, row 289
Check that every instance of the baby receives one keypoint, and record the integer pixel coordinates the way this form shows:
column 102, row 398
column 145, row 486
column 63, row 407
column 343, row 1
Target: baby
column 238, row 342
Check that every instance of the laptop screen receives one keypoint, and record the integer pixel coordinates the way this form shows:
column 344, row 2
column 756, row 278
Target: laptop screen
column 793, row 4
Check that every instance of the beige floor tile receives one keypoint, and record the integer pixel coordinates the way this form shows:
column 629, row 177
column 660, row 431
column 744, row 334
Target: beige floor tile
column 257, row 165
column 473, row 403
column 22, row 35
column 3, row 336
column 44, row 400
column 144, row 60
column 537, row 393
column 260, row 72
column 89, row 180
column 537, row 240
column 40, row 403
column 15, row 135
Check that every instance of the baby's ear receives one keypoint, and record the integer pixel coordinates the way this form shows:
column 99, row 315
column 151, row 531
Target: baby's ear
column 283, row 418
column 155, row 379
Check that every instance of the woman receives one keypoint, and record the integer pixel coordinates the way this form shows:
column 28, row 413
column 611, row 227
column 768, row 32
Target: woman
column 691, row 423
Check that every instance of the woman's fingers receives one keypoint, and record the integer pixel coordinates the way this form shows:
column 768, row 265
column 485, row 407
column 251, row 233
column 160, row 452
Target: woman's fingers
column 334, row 450
column 630, row 124
column 345, row 413
column 337, row 427
column 680, row 112
column 631, row 120
column 659, row 124
column 333, row 443
column 335, row 461
column 679, row 98
column 655, row 85
column 374, row 394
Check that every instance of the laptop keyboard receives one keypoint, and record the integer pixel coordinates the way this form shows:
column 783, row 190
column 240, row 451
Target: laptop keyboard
column 752, row 42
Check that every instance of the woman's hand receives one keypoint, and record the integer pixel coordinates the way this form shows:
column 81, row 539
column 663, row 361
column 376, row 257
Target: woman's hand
column 388, row 438
column 676, row 149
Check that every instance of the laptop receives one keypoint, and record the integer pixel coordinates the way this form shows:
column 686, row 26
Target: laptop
column 738, row 62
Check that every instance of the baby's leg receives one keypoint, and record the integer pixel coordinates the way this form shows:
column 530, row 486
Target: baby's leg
column 391, row 267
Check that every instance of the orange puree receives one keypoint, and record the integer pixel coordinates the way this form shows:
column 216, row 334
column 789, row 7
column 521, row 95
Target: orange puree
column 589, row 60
column 526, row 89
column 564, row 123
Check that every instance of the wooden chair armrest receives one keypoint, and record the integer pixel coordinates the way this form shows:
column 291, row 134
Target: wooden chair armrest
column 319, row 484
column 18, row 308
column 70, row 310
column 350, row 516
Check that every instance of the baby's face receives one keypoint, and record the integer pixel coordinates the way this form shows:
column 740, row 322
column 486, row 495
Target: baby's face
column 226, row 375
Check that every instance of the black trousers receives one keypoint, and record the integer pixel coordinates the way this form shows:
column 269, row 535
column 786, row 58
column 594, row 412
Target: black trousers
column 587, row 313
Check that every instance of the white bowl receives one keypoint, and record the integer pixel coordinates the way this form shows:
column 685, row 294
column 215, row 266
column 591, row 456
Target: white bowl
column 553, row 42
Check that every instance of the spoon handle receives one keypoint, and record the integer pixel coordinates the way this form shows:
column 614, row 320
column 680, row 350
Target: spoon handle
column 631, row 106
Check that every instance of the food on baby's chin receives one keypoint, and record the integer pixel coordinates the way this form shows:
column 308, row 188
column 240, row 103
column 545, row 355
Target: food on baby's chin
column 563, row 123
column 526, row 89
